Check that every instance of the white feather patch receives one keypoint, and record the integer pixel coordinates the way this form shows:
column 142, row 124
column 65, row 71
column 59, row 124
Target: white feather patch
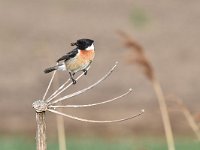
column 90, row 47
column 62, row 67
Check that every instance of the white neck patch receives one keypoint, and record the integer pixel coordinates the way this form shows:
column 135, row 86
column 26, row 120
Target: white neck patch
column 90, row 47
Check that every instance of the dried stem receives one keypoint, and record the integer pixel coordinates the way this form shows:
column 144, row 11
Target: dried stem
column 141, row 60
column 96, row 121
column 189, row 117
column 43, row 105
column 60, row 123
column 49, row 85
column 60, row 88
column 164, row 113
column 55, row 95
column 41, row 131
column 86, row 89
column 61, row 132
column 138, row 55
column 94, row 104
column 59, row 119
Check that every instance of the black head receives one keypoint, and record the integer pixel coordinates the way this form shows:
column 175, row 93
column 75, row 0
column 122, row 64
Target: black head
column 83, row 43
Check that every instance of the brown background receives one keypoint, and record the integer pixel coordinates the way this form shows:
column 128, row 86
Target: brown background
column 33, row 34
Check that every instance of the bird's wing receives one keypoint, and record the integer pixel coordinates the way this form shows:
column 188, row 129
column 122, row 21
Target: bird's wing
column 68, row 55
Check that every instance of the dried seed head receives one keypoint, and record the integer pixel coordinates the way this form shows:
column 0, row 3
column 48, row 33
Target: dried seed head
column 40, row 106
column 138, row 56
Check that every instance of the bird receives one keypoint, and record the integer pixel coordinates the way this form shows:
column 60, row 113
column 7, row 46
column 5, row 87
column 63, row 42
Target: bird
column 79, row 59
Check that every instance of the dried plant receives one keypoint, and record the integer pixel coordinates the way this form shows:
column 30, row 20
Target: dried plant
column 138, row 57
column 60, row 124
column 188, row 115
column 51, row 104
column 59, row 119
column 197, row 118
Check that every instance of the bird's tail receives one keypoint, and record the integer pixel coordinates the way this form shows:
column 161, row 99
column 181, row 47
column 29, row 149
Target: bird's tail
column 50, row 69
column 58, row 67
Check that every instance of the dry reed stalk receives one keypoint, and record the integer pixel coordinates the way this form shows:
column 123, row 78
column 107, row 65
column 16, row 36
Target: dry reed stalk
column 40, row 108
column 41, row 131
column 60, row 124
column 61, row 132
column 59, row 118
column 188, row 116
column 141, row 60
column 197, row 118
column 50, row 104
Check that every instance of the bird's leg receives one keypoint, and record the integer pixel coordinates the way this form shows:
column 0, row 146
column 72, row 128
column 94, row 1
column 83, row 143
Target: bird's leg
column 71, row 76
column 85, row 71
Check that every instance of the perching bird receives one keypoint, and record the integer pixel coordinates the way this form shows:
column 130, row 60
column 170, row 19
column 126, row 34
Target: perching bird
column 79, row 59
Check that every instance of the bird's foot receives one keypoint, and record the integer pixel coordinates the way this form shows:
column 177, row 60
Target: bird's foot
column 85, row 72
column 71, row 76
column 73, row 81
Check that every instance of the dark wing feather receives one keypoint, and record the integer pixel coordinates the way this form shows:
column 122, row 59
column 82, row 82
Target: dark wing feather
column 68, row 55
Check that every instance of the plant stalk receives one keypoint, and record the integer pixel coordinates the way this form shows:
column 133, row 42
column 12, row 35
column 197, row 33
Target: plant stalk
column 189, row 118
column 60, row 124
column 164, row 113
column 61, row 132
column 41, row 131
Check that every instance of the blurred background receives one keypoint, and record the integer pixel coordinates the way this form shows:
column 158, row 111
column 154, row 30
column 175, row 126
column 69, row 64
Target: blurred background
column 33, row 34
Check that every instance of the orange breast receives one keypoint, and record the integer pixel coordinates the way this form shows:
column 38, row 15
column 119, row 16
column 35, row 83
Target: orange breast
column 89, row 55
column 81, row 61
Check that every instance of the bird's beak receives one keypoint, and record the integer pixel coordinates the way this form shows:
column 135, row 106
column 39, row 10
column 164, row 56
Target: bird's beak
column 73, row 44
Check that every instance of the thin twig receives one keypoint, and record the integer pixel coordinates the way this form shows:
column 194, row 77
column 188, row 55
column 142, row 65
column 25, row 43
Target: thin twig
column 61, row 87
column 94, row 104
column 88, row 88
column 50, row 99
column 49, row 85
column 96, row 121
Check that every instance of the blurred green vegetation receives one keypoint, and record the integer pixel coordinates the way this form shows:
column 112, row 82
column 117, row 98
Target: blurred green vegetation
column 22, row 143
column 139, row 17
